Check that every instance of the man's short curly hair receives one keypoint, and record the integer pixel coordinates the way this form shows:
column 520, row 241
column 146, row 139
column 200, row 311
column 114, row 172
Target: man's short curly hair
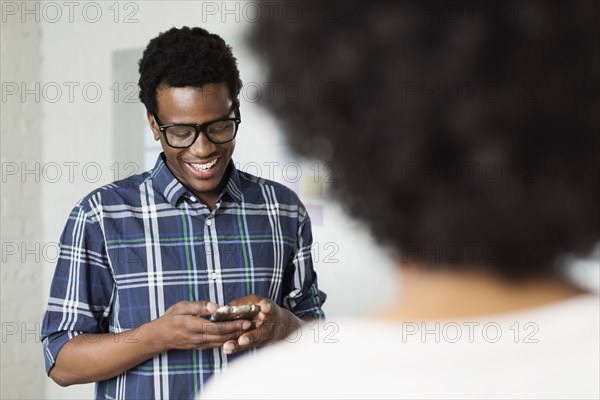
column 464, row 140
column 186, row 57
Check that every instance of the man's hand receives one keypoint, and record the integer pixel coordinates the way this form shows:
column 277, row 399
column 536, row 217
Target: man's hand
column 272, row 323
column 181, row 327
column 94, row 357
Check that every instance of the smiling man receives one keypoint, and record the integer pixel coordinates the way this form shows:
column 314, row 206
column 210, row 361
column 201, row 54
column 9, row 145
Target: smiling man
column 199, row 162
column 146, row 260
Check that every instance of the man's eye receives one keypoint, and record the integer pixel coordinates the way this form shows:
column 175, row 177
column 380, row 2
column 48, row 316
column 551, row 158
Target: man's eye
column 221, row 127
column 180, row 131
column 218, row 126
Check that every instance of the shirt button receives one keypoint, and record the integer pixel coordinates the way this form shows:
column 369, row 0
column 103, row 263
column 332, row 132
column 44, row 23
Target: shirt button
column 214, row 276
column 193, row 199
column 208, row 221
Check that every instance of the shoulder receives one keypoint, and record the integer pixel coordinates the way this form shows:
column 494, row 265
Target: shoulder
column 320, row 353
column 365, row 358
column 260, row 190
column 251, row 182
column 124, row 192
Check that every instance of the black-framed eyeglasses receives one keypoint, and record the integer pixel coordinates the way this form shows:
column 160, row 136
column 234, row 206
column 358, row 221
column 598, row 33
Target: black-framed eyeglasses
column 219, row 131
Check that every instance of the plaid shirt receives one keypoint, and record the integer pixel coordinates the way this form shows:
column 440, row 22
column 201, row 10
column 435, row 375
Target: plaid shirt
column 133, row 248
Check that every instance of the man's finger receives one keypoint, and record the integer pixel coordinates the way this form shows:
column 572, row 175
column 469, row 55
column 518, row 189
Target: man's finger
column 265, row 306
column 250, row 299
column 220, row 328
column 206, row 307
column 254, row 338
column 230, row 347
column 194, row 307
column 219, row 339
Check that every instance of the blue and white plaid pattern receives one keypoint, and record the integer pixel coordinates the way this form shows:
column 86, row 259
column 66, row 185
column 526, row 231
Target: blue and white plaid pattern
column 133, row 248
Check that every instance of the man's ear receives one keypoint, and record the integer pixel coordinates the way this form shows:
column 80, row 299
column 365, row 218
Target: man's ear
column 153, row 125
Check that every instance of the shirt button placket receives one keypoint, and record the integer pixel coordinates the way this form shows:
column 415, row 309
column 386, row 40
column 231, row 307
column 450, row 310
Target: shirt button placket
column 209, row 247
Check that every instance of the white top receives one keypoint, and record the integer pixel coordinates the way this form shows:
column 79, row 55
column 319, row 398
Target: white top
column 543, row 352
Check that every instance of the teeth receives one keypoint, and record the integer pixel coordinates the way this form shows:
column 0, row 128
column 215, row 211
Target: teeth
column 205, row 167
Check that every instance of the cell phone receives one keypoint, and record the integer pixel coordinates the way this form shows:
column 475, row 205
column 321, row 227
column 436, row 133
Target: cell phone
column 231, row 313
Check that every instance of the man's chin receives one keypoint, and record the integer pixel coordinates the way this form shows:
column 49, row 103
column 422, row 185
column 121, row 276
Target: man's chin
column 199, row 185
column 209, row 187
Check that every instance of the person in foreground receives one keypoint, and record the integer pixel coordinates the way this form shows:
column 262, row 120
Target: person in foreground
column 470, row 147
column 145, row 261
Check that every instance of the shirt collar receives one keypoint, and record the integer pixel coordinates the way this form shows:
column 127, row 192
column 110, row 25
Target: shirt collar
column 165, row 182
column 233, row 187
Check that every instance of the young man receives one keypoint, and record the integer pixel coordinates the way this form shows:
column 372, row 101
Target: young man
column 144, row 261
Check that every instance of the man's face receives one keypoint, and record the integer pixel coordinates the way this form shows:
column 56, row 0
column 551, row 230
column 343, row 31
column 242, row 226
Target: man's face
column 189, row 105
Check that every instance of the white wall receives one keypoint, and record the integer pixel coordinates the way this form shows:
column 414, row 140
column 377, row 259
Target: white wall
column 21, row 374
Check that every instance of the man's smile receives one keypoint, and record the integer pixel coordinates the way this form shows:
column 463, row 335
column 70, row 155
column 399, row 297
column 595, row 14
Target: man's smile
column 204, row 166
column 205, row 170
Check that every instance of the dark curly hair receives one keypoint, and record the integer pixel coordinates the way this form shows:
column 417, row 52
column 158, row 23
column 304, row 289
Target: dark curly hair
column 465, row 134
column 186, row 57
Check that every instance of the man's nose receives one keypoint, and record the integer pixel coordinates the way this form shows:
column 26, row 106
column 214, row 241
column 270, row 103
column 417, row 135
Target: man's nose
column 202, row 147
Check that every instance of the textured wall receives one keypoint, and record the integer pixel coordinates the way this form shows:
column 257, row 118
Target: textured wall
column 22, row 375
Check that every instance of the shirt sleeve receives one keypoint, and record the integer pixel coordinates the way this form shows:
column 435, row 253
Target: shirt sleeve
column 301, row 294
column 82, row 287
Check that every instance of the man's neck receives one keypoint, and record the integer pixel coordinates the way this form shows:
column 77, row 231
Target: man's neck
column 210, row 198
column 430, row 295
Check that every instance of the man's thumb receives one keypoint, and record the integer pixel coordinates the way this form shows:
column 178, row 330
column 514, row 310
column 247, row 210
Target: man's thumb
column 205, row 307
